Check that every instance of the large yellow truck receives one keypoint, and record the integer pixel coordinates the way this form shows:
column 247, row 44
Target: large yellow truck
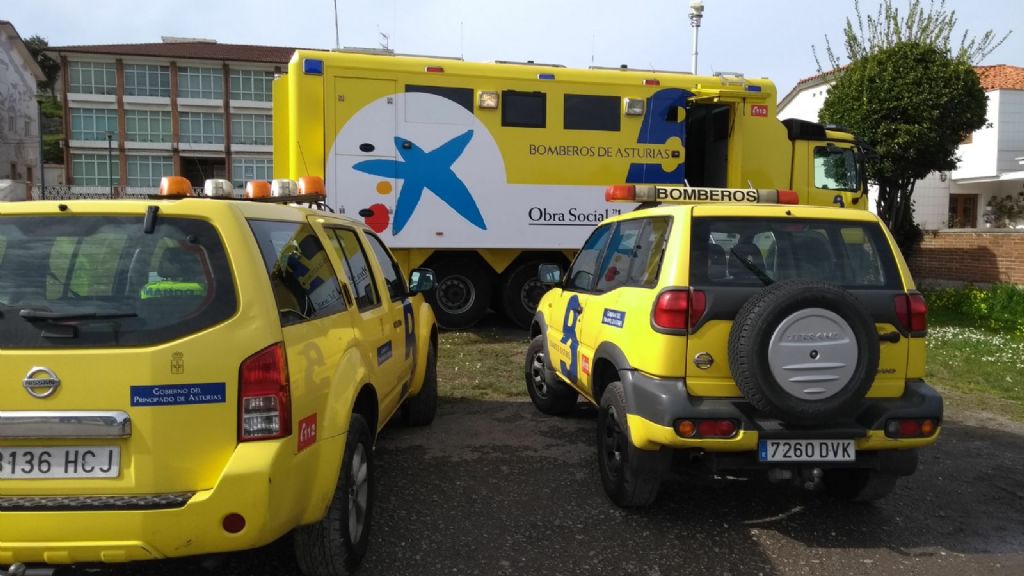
column 481, row 171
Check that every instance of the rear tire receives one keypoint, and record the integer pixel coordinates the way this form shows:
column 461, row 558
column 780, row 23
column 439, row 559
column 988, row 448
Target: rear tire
column 421, row 408
column 549, row 394
column 521, row 291
column 631, row 477
column 858, row 485
column 463, row 292
column 336, row 544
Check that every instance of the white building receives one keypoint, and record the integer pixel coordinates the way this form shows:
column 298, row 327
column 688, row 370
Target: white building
column 134, row 113
column 991, row 159
column 19, row 110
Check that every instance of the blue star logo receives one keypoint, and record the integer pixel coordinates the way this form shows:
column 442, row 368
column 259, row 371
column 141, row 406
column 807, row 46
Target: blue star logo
column 419, row 169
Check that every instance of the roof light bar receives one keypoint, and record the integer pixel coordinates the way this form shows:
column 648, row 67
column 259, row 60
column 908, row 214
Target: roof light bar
column 698, row 195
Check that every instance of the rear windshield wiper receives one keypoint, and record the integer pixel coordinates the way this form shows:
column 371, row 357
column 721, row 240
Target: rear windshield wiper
column 754, row 269
column 46, row 316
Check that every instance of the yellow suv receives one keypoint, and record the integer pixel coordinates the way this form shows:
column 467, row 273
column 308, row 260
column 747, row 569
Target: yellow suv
column 198, row 375
column 782, row 338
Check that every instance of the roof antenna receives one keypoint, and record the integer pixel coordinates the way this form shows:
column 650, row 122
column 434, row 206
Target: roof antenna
column 303, row 156
column 462, row 51
column 337, row 34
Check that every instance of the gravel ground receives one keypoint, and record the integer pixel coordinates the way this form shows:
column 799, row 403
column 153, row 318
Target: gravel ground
column 497, row 488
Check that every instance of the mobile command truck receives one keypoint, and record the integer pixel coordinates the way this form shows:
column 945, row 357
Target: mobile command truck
column 483, row 170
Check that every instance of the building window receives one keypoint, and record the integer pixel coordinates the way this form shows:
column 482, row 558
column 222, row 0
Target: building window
column 91, row 170
column 205, row 83
column 592, row 112
column 202, row 127
column 148, row 170
column 246, row 169
column 93, row 124
column 251, row 85
column 251, row 129
column 523, row 109
column 92, row 78
column 147, row 80
column 147, row 126
column 963, row 211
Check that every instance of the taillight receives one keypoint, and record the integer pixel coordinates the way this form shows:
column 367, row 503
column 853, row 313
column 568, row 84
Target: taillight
column 679, row 309
column 716, row 428
column 911, row 427
column 264, row 404
column 912, row 312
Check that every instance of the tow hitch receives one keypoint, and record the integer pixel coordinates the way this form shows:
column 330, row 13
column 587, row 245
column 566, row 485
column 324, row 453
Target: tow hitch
column 808, row 478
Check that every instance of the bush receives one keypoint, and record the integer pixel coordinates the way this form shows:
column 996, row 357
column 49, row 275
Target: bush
column 998, row 308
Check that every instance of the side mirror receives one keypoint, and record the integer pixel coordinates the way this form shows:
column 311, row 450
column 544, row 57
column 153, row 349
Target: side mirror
column 421, row 280
column 549, row 274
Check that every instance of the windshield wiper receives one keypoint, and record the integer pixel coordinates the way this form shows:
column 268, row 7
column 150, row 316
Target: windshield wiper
column 754, row 269
column 46, row 316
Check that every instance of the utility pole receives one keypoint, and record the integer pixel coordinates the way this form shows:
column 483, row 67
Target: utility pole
column 110, row 162
column 696, row 13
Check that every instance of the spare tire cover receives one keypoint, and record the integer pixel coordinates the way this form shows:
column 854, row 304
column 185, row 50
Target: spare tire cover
column 805, row 352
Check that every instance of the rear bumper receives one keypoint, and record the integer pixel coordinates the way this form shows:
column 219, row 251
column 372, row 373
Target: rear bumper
column 654, row 405
column 257, row 483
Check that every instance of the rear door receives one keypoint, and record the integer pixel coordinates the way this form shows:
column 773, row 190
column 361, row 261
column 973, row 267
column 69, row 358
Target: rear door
column 851, row 254
column 107, row 330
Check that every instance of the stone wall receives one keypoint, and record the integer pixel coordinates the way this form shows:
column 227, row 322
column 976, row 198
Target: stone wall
column 975, row 256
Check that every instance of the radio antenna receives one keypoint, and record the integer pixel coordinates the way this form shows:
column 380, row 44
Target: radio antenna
column 337, row 33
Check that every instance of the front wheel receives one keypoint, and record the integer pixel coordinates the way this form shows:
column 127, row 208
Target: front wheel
column 548, row 394
column 421, row 408
column 335, row 545
column 463, row 292
column 631, row 476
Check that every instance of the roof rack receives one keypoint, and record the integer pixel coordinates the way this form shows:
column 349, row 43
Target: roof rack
column 626, row 68
column 529, row 63
column 310, row 200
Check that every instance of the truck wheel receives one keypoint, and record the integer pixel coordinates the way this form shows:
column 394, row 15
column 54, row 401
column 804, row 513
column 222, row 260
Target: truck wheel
column 805, row 352
column 421, row 408
column 549, row 394
column 631, row 476
column 521, row 291
column 858, row 485
column 335, row 545
column 463, row 292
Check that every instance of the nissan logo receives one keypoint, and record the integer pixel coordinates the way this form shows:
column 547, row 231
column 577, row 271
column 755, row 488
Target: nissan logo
column 41, row 382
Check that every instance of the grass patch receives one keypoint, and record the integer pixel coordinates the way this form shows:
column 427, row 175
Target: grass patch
column 485, row 363
column 975, row 361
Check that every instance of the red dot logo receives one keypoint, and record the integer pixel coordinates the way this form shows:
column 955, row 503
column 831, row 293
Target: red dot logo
column 379, row 220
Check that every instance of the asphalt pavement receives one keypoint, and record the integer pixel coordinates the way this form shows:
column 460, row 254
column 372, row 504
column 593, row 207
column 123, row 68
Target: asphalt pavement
column 497, row 488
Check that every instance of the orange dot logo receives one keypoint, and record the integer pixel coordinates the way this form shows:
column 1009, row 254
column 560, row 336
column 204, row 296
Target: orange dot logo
column 383, row 187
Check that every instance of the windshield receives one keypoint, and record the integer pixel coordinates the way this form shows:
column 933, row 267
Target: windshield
column 95, row 281
column 836, row 169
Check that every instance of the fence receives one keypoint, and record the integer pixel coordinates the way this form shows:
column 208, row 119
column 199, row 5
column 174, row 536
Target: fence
column 974, row 256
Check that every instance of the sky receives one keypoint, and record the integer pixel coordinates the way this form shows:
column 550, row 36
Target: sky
column 766, row 38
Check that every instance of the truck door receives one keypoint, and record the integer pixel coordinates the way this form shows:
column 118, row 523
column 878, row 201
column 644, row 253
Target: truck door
column 834, row 178
column 364, row 154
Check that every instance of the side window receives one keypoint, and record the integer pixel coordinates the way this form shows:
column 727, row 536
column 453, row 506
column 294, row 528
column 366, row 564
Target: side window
column 357, row 267
column 619, row 256
column 461, row 96
column 305, row 285
column 523, row 109
column 392, row 272
column 584, row 268
column 649, row 251
column 835, row 169
column 592, row 112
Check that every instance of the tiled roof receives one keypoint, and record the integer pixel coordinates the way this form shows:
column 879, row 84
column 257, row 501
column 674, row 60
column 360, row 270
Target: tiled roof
column 197, row 50
column 19, row 45
column 996, row 77
column 1001, row 77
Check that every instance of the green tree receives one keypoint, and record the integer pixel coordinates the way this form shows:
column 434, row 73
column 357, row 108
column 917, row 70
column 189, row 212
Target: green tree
column 913, row 104
column 909, row 91
column 37, row 46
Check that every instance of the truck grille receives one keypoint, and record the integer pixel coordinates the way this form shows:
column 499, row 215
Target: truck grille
column 85, row 503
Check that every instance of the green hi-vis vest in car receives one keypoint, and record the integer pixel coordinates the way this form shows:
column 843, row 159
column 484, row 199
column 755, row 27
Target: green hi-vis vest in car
column 165, row 288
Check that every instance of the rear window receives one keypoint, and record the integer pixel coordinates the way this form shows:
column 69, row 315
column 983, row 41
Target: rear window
column 738, row 251
column 101, row 281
